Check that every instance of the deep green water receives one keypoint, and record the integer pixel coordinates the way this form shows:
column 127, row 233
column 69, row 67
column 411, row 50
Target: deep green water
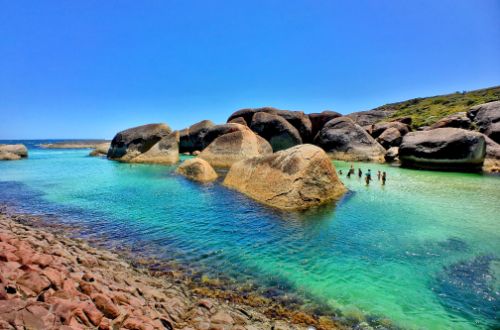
column 423, row 251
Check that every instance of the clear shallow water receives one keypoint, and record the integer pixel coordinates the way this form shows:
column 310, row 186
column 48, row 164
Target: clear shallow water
column 423, row 251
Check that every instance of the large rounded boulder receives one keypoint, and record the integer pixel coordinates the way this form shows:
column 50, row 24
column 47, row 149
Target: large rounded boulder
column 379, row 128
column 318, row 120
column 152, row 143
column 297, row 119
column 457, row 120
column 296, row 178
column 443, row 149
column 232, row 147
column 345, row 140
column 214, row 132
column 13, row 151
column 275, row 129
column 191, row 138
column 197, row 169
column 492, row 160
column 391, row 137
column 486, row 117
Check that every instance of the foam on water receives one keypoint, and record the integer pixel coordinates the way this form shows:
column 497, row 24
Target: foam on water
column 422, row 251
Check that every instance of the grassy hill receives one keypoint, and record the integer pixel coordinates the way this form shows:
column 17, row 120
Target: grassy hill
column 427, row 110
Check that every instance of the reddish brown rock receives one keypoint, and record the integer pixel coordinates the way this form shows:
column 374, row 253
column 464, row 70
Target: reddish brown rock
column 32, row 283
column 106, row 306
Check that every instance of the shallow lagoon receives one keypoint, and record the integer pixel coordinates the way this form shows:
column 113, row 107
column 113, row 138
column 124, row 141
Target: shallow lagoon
column 423, row 251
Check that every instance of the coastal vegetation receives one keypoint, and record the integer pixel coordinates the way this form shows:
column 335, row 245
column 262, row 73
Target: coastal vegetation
column 425, row 111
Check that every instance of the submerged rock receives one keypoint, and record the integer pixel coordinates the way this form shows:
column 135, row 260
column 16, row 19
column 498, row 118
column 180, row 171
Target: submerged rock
column 229, row 148
column 345, row 140
column 152, row 143
column 279, row 132
column 295, row 178
column 13, row 151
column 197, row 169
column 443, row 149
column 191, row 138
column 469, row 287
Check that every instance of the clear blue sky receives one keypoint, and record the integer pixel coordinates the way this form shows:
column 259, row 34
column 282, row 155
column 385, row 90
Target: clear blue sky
column 83, row 69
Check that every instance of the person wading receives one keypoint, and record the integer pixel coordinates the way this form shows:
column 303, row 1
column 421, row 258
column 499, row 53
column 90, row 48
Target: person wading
column 384, row 177
column 368, row 177
column 360, row 173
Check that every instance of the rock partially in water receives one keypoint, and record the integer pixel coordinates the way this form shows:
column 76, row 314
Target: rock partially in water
column 392, row 154
column 470, row 288
column 343, row 139
column 191, row 138
column 197, row 169
column 230, row 148
column 100, row 150
column 492, row 160
column 443, row 149
column 13, row 151
column 295, row 178
column 279, row 132
column 152, row 143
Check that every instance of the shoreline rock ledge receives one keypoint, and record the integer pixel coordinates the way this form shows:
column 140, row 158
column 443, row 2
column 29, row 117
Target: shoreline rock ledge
column 293, row 179
column 152, row 143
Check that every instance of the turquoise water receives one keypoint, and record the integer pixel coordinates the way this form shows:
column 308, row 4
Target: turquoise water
column 423, row 251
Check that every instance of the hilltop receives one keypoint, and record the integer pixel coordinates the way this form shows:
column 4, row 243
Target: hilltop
column 425, row 111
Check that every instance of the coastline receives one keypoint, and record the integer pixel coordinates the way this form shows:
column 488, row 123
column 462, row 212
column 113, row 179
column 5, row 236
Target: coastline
column 53, row 281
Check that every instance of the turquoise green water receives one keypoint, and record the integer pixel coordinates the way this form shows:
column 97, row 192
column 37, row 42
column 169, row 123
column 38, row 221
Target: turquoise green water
column 423, row 251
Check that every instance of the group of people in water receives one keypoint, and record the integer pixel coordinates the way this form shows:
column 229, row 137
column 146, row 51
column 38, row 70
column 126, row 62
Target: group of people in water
column 382, row 176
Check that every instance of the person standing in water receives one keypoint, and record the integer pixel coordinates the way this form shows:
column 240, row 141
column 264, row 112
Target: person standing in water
column 360, row 173
column 350, row 172
column 379, row 175
column 368, row 177
column 340, row 172
column 384, row 177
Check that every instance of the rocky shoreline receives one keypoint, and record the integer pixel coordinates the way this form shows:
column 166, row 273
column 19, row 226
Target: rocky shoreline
column 49, row 281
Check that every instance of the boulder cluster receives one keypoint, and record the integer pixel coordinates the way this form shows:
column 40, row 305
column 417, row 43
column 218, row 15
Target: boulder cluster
column 259, row 146
column 51, row 282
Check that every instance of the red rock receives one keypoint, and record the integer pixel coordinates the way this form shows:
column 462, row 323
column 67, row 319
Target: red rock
column 222, row 317
column 106, row 306
column 32, row 283
column 93, row 314
column 8, row 256
column 43, row 260
column 55, row 277
column 208, row 304
column 87, row 277
column 137, row 324
column 88, row 288
column 105, row 325
column 63, row 309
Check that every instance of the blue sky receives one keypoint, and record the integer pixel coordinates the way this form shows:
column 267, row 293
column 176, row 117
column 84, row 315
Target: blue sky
column 84, row 69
